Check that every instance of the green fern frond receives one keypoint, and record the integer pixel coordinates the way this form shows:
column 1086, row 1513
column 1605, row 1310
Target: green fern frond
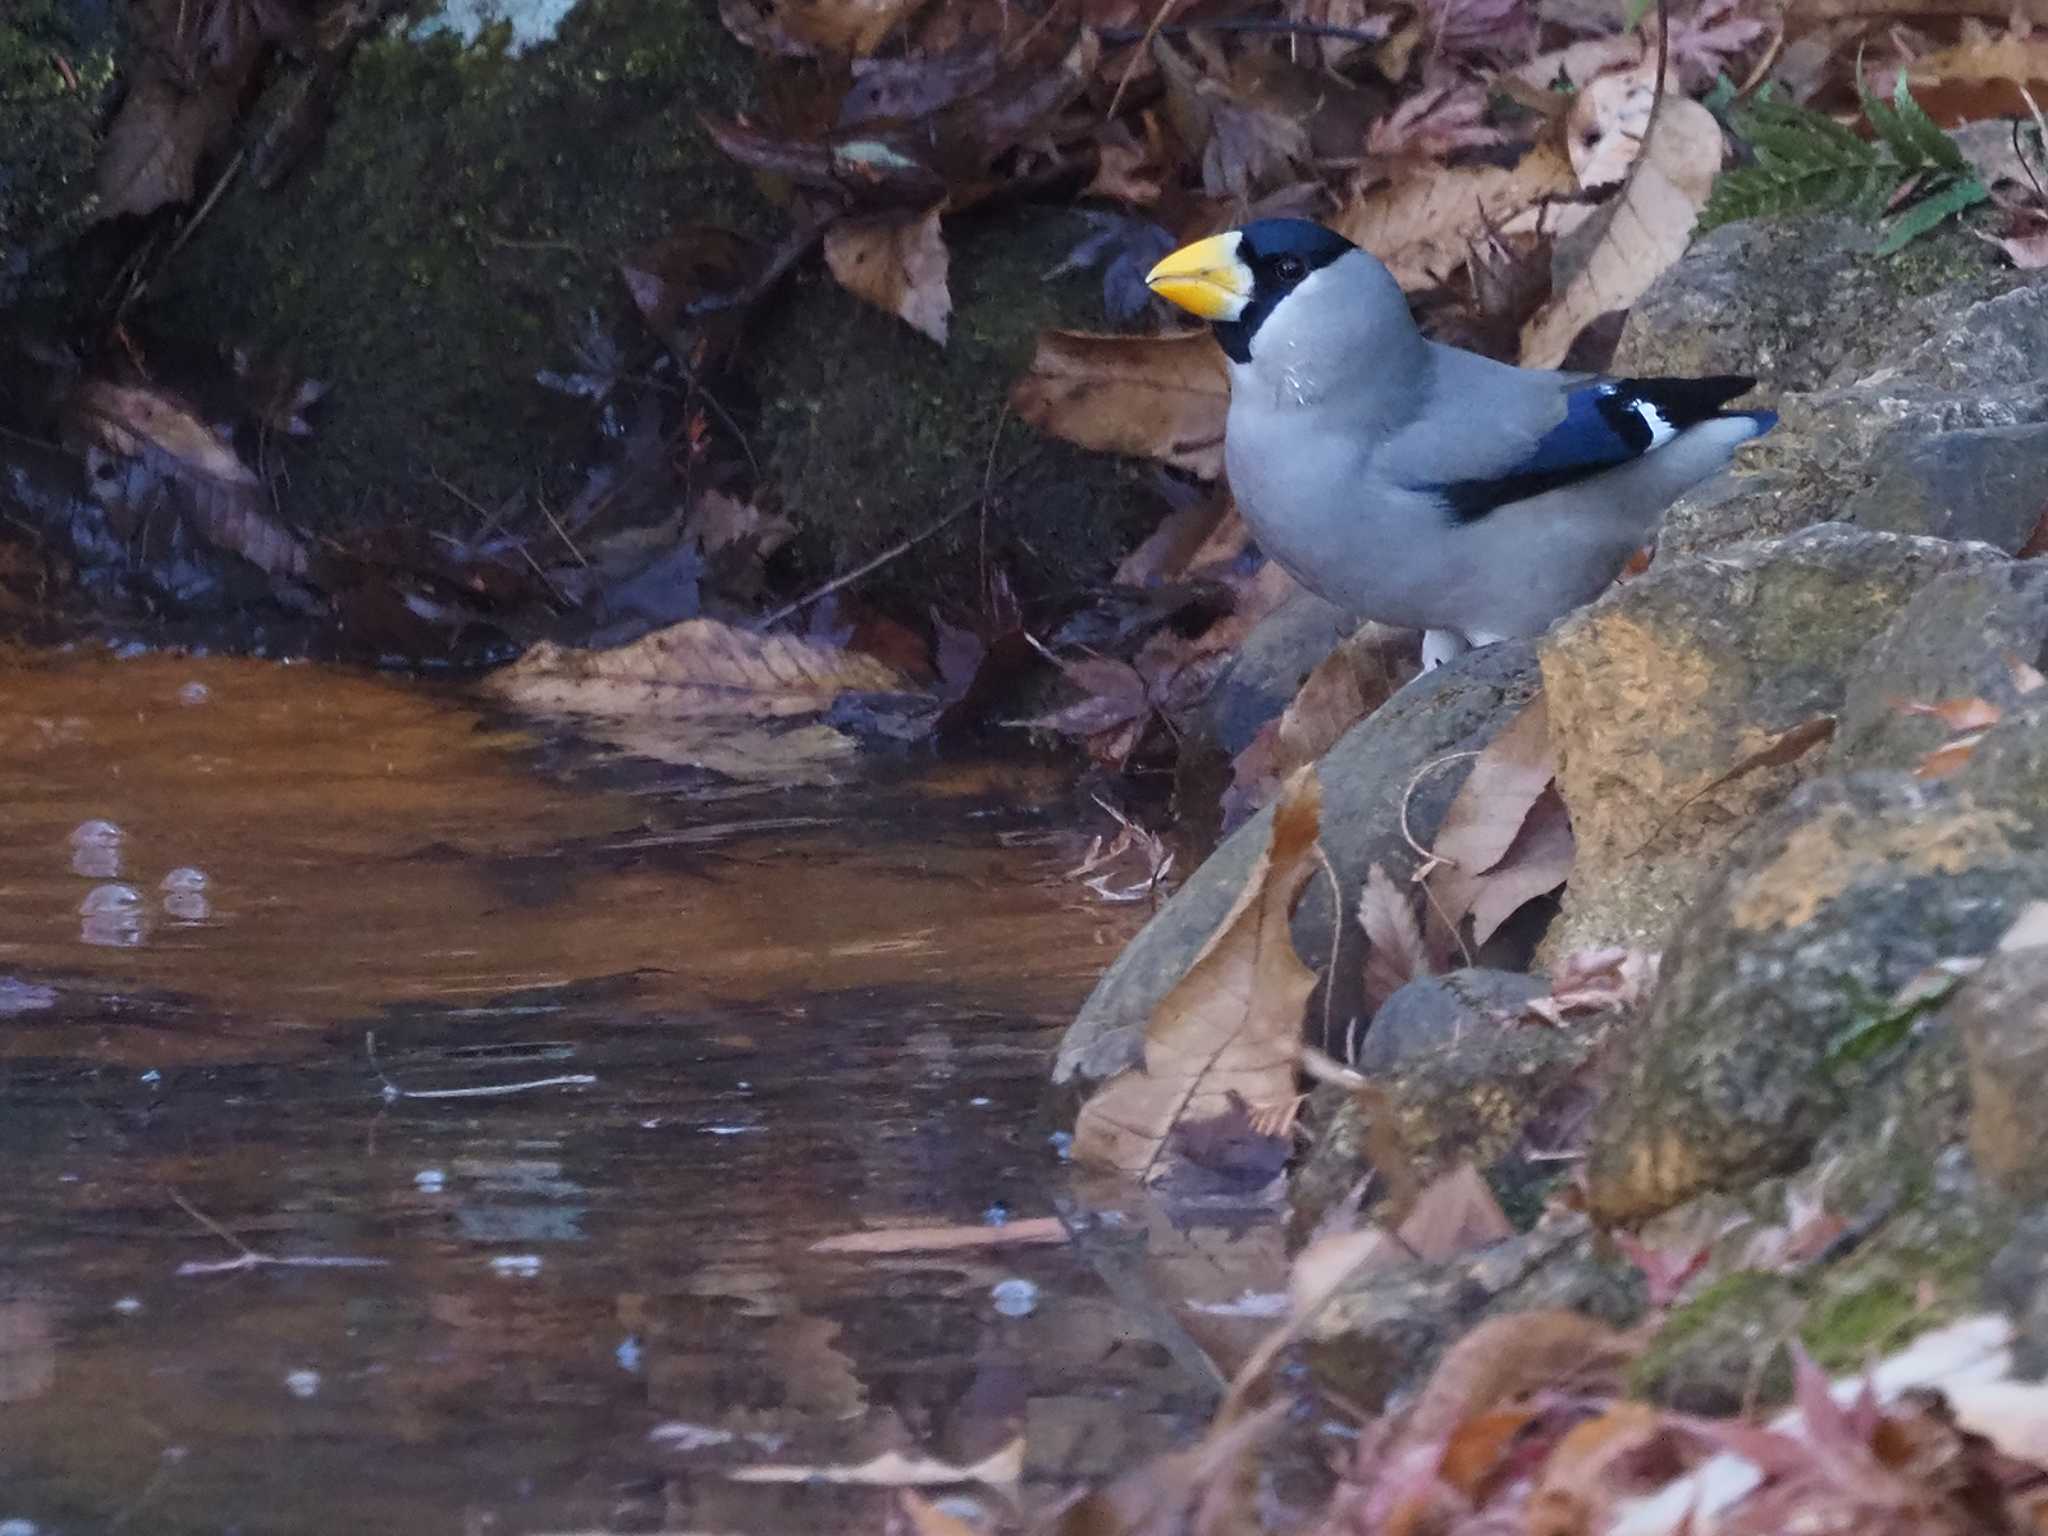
column 1805, row 161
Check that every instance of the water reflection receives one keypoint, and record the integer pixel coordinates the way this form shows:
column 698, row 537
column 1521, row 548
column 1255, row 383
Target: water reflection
column 432, row 1131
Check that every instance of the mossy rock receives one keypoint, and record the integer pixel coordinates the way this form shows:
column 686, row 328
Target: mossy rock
column 458, row 232
column 871, row 431
column 48, row 128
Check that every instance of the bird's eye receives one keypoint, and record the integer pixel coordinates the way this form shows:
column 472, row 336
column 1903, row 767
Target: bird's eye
column 1290, row 269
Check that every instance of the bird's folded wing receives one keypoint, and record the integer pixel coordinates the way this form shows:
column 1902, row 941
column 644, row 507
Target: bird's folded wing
column 1594, row 425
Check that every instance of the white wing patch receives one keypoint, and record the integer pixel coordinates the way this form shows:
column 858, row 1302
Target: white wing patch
column 1661, row 431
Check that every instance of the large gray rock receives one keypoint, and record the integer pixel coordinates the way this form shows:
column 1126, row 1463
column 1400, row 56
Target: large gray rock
column 1433, row 1011
column 1366, row 778
column 2003, row 1017
column 1269, row 668
column 1665, row 688
column 1913, row 390
column 1786, row 970
column 1957, row 638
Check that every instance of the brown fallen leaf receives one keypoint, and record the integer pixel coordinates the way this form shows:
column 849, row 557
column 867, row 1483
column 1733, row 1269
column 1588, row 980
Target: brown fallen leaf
column 151, row 152
column 896, row 262
column 1232, row 1023
column 1152, row 397
column 1397, row 953
column 1537, row 862
column 1346, row 686
column 700, row 667
column 1641, row 232
column 1487, row 813
column 1422, row 220
column 1511, row 1356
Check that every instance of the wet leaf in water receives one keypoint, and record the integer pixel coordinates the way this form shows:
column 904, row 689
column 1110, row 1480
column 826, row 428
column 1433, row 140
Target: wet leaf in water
column 698, row 668
column 1155, row 397
column 896, row 262
column 1232, row 1023
column 1455, row 1212
column 918, row 85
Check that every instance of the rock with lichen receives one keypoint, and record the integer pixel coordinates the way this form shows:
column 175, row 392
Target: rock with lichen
column 1679, row 700
column 1787, row 978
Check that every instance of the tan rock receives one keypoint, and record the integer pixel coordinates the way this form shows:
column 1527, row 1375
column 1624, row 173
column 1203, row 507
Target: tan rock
column 1689, row 700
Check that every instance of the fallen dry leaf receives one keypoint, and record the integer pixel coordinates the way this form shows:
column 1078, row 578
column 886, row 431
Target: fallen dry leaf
column 1643, row 230
column 1422, row 221
column 152, row 148
column 1346, row 686
column 893, row 1469
column 228, row 506
column 1397, row 954
column 1507, row 1357
column 896, row 262
column 1232, row 1023
column 1152, row 397
column 1509, row 775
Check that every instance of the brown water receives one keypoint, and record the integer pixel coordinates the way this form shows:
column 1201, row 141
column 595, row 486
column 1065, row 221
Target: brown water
column 757, row 1020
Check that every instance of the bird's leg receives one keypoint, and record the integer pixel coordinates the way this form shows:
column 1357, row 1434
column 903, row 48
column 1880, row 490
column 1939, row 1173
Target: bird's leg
column 1440, row 646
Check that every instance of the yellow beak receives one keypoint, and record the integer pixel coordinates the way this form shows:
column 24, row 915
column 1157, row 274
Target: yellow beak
column 1205, row 278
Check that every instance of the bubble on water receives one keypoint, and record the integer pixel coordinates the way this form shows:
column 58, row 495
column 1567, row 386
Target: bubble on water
column 96, row 849
column 184, row 891
column 629, row 1354
column 194, row 693
column 431, row 1180
column 128, row 1306
column 302, row 1383
column 113, row 917
column 519, row 1266
column 19, row 1527
column 1015, row 1298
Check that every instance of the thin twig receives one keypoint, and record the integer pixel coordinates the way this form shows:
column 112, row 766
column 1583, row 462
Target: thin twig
column 250, row 1258
column 393, row 1093
column 560, row 532
column 867, row 567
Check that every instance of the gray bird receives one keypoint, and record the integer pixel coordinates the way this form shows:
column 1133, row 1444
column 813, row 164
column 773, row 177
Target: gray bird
column 1417, row 484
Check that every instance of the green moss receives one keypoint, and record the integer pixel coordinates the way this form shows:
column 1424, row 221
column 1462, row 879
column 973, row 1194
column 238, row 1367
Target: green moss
column 56, row 73
column 1721, row 1347
column 861, row 467
column 455, row 234
column 1844, row 1332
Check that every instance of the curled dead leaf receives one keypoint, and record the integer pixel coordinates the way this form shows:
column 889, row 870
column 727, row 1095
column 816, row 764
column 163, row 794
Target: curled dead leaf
column 1640, row 233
